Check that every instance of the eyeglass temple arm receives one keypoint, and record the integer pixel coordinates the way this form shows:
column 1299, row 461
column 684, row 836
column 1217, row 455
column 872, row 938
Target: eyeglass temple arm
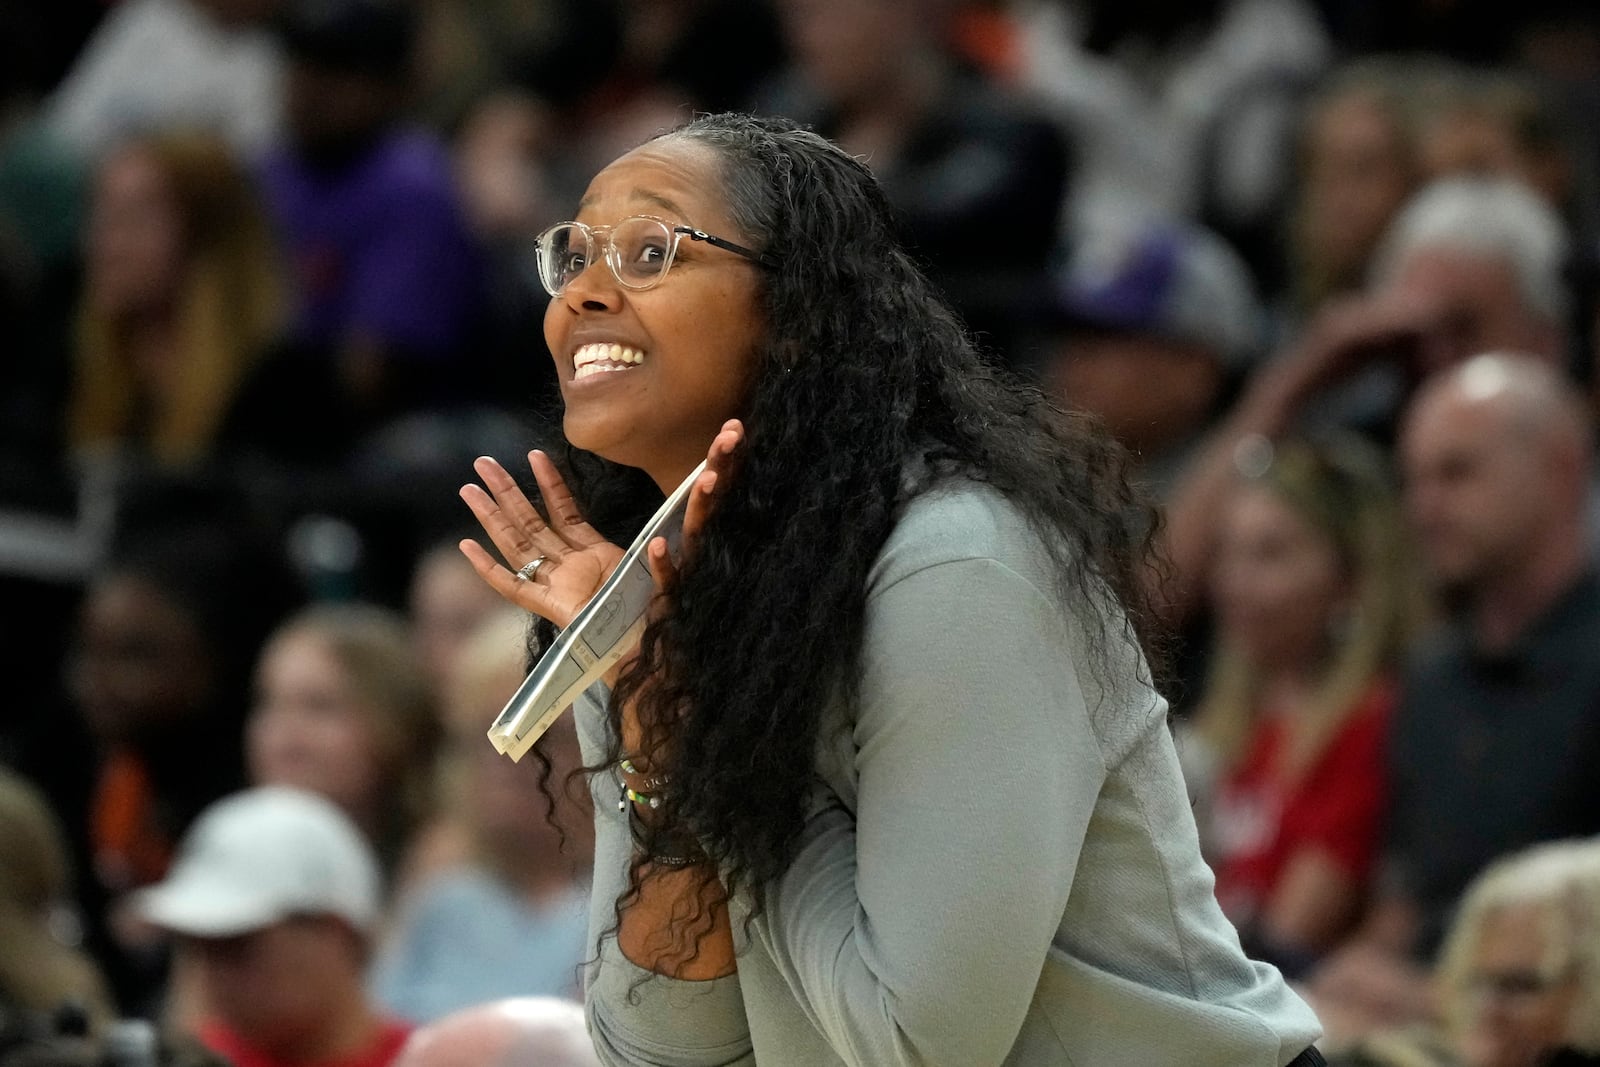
column 722, row 242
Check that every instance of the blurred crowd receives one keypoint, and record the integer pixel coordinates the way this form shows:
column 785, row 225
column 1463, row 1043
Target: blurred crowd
column 1328, row 268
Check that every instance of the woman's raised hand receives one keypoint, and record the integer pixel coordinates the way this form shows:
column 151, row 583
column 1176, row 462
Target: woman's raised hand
column 576, row 560
column 719, row 465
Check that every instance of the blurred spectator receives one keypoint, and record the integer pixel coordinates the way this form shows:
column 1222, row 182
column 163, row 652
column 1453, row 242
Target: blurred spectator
column 1357, row 166
column 448, row 603
column 520, row 1032
column 41, row 968
column 155, row 64
column 181, row 297
column 1520, row 974
column 343, row 709
column 273, row 899
column 41, row 194
column 386, row 276
column 1180, row 110
column 1498, row 731
column 1312, row 614
column 606, row 74
column 1155, row 321
column 1470, row 265
column 166, row 632
column 976, row 177
column 1497, row 122
column 496, row 902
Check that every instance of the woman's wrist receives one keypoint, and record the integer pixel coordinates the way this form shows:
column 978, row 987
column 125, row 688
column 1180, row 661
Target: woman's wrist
column 640, row 798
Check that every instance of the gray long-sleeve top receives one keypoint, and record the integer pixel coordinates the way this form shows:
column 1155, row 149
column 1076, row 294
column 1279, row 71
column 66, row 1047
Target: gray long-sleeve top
column 1001, row 869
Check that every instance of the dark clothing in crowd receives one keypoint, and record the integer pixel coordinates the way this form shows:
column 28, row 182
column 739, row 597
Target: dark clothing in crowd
column 379, row 247
column 978, row 184
column 1493, row 753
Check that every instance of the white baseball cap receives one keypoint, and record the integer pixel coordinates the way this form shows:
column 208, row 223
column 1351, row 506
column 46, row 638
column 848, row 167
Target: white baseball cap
column 261, row 856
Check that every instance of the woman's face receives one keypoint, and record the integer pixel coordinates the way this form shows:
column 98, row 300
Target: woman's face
column 1357, row 176
column 134, row 255
column 142, row 665
column 311, row 728
column 691, row 340
column 1518, row 1010
column 1276, row 580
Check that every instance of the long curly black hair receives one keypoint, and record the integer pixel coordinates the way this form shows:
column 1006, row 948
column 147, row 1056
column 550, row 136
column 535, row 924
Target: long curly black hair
column 867, row 389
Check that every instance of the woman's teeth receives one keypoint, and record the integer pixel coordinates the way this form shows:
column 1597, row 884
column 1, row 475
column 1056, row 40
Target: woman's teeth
column 602, row 359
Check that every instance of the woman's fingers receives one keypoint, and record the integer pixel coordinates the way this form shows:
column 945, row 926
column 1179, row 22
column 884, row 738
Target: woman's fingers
column 719, row 463
column 506, row 515
column 515, row 542
column 662, row 568
column 698, row 509
column 526, row 595
column 565, row 517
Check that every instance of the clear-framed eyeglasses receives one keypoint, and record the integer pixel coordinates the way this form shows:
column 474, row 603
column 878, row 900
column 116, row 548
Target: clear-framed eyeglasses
column 639, row 250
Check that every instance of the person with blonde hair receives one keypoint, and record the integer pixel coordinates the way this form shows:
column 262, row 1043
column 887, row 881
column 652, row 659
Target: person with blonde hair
column 1519, row 974
column 182, row 295
column 1312, row 613
column 343, row 709
column 38, row 971
column 1518, row 980
column 494, row 902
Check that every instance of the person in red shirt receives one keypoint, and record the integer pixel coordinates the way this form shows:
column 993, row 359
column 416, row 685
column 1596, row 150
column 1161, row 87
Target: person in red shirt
column 1312, row 610
column 273, row 898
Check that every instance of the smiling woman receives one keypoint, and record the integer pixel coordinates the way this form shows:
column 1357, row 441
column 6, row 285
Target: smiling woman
column 895, row 784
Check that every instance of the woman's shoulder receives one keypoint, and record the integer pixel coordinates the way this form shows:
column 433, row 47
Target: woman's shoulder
column 959, row 519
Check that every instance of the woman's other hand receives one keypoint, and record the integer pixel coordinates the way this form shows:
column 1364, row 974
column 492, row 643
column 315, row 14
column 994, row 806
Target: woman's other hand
column 576, row 559
column 719, row 466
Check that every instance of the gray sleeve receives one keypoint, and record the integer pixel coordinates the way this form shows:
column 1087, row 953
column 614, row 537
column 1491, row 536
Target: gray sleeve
column 636, row 1017
column 914, row 932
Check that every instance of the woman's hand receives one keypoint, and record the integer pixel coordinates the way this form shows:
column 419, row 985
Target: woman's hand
column 664, row 569
column 719, row 465
column 577, row 560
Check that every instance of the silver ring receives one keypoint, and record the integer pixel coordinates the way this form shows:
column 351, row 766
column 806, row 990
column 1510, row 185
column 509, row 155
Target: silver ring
column 529, row 569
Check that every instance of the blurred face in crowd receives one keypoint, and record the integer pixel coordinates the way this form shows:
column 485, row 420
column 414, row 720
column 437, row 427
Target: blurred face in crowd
column 1276, row 581
column 448, row 602
column 278, row 985
column 312, row 728
column 1148, row 391
column 1476, row 301
column 141, row 665
column 688, row 344
column 135, row 245
column 1357, row 175
column 1478, row 488
column 1520, row 1005
column 332, row 113
column 839, row 44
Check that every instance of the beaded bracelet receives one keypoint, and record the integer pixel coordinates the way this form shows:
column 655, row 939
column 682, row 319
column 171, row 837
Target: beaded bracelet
column 684, row 855
column 651, row 782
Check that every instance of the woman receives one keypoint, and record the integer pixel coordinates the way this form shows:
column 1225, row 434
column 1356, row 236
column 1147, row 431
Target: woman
column 495, row 904
column 1310, row 587
column 39, row 969
column 1519, row 974
column 181, row 298
column 1357, row 165
column 1518, row 983
column 904, row 793
column 343, row 709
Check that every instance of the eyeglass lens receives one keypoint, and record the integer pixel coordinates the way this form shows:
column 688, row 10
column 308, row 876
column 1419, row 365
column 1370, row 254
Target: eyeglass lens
column 638, row 250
